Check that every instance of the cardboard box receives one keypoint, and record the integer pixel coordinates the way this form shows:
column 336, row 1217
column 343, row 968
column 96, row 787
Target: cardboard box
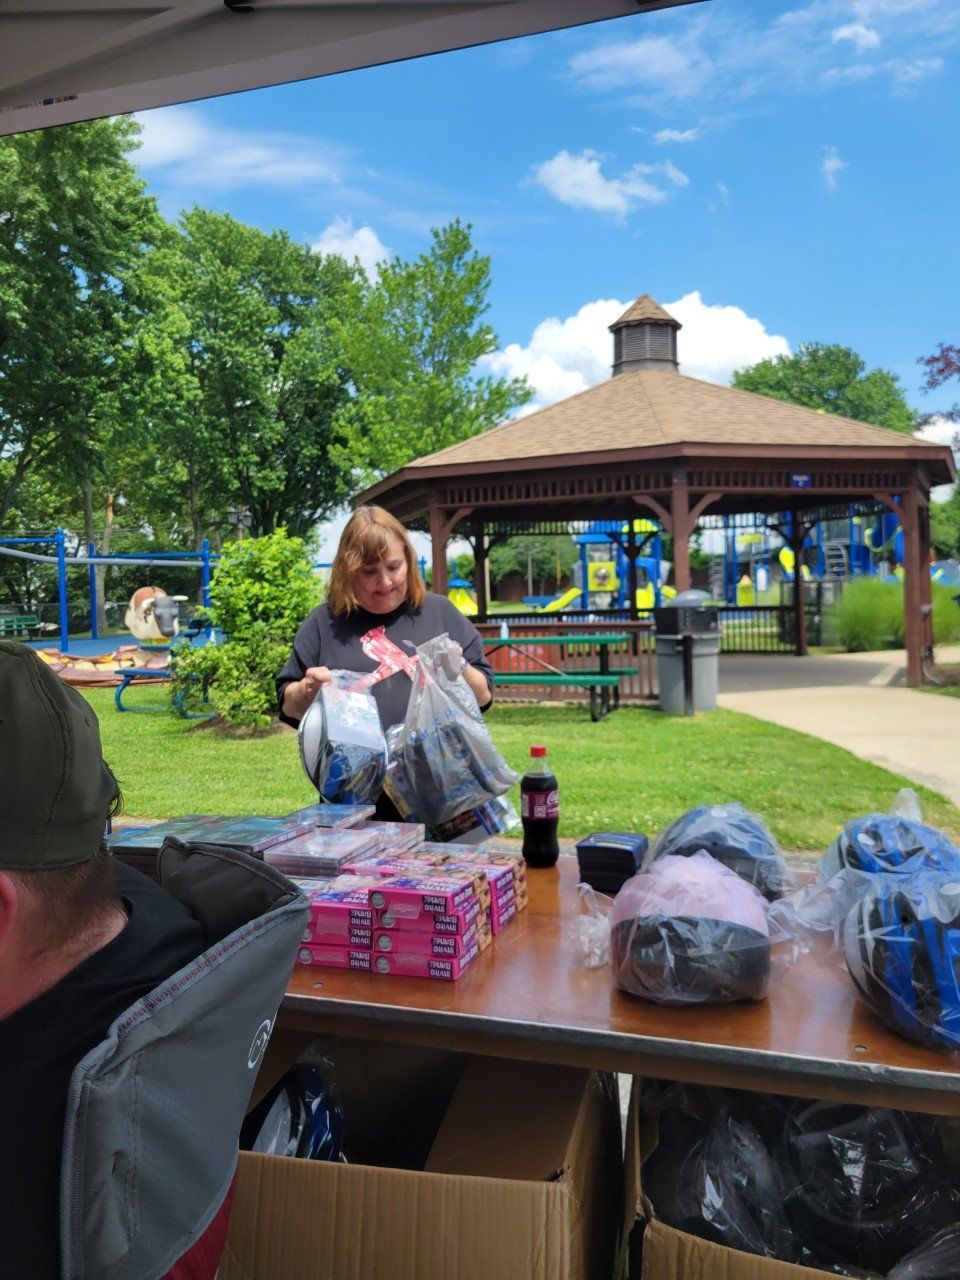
column 659, row 1252
column 547, row 1212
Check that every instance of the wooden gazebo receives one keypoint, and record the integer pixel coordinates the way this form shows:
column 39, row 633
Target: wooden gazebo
column 651, row 440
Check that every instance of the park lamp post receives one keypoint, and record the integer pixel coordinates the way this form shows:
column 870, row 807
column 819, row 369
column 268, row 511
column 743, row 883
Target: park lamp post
column 239, row 518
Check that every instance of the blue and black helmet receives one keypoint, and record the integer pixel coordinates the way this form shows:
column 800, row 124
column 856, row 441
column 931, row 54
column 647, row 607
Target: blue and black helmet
column 902, row 947
column 734, row 836
column 884, row 842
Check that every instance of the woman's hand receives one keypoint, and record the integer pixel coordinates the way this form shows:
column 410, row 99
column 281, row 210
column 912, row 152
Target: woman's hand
column 300, row 693
column 477, row 682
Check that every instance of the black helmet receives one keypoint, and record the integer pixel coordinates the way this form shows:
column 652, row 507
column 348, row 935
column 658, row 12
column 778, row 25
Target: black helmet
column 863, row 1185
column 902, row 947
column 886, row 842
column 734, row 836
column 689, row 931
column 711, row 1173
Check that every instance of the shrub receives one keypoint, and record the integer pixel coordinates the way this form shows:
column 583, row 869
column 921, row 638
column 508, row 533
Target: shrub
column 869, row 615
column 261, row 591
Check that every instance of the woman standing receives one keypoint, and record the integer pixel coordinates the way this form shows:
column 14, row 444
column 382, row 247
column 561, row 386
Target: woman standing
column 376, row 612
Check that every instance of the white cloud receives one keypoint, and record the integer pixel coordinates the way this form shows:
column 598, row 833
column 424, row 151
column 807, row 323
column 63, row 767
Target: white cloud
column 940, row 430
column 858, row 33
column 831, row 166
column 678, row 178
column 675, row 135
column 352, row 242
column 189, row 149
column 910, row 72
column 676, row 67
column 568, row 355
column 579, row 181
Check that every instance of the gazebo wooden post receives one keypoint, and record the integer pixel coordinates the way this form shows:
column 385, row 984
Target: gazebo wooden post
column 438, row 547
column 480, row 567
column 913, row 593
column 680, row 528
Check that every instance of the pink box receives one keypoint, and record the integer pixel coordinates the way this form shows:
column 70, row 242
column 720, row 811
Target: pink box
column 411, row 964
column 394, row 941
column 340, row 911
column 408, row 897
column 483, row 857
column 501, row 913
column 500, row 878
column 389, row 864
column 333, row 957
column 441, row 922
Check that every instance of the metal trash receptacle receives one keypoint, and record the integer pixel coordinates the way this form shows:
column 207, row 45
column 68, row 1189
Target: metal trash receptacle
column 687, row 640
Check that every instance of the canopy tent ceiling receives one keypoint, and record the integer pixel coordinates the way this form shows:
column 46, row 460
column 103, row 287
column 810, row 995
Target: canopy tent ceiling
column 66, row 60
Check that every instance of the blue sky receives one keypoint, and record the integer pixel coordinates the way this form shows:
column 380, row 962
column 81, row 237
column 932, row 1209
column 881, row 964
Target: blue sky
column 781, row 171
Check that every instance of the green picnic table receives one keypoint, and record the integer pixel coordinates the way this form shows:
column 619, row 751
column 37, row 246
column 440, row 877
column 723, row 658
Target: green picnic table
column 604, row 683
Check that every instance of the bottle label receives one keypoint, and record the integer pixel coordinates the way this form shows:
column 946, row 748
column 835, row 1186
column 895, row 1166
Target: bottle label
column 540, row 804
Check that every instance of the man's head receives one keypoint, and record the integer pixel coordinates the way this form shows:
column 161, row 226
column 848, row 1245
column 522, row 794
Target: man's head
column 56, row 881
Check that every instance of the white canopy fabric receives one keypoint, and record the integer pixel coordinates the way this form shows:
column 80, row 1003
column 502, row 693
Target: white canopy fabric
column 66, row 60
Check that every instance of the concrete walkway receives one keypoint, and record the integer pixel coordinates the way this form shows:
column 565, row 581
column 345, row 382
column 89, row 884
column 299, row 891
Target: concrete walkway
column 856, row 701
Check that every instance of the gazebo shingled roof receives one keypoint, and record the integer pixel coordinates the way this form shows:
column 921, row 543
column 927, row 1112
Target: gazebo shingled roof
column 651, row 440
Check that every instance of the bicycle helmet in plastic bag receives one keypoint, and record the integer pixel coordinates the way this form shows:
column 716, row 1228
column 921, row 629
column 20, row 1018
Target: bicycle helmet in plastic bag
column 342, row 747
column 689, row 931
column 902, row 948
column 711, row 1173
column 734, row 836
column 862, row 1184
column 886, row 842
column 935, row 1259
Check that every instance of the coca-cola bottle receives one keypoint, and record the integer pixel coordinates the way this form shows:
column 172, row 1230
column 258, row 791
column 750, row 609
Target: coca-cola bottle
column 540, row 811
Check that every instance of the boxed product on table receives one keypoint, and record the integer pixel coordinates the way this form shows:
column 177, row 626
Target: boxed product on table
column 393, row 864
column 435, row 922
column 418, row 964
column 395, row 835
column 499, row 878
column 340, row 911
column 321, row 853
column 330, row 956
column 408, row 897
column 433, row 944
column 485, row 856
column 333, row 815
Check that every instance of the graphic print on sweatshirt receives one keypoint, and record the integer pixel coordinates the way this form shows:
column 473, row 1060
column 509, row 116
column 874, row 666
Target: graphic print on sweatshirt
column 390, row 658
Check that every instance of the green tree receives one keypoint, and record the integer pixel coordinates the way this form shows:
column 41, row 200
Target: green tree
column 835, row 379
column 414, row 352
column 75, row 221
column 261, row 591
column 945, row 525
column 547, row 560
column 263, row 319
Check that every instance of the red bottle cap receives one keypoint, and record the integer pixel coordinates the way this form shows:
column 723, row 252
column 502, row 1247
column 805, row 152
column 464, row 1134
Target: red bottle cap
column 538, row 751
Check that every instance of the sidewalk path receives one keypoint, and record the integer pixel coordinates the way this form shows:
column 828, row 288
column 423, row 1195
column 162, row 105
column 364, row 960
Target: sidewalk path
column 856, row 701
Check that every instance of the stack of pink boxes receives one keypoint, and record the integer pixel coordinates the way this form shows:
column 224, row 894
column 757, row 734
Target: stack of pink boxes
column 426, row 912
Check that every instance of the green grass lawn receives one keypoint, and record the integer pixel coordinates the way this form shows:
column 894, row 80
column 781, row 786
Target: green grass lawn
column 634, row 771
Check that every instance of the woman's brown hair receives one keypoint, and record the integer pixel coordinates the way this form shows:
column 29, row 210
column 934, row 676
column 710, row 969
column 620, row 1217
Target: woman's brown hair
column 366, row 540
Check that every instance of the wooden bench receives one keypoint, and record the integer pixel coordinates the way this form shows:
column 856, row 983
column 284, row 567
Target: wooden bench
column 604, row 689
column 19, row 624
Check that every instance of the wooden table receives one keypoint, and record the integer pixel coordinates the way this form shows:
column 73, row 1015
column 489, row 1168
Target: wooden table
column 525, row 998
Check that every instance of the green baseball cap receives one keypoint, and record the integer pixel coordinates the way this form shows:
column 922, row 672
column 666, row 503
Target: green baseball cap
column 55, row 787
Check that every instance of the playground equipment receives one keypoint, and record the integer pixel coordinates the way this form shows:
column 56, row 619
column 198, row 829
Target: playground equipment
column 152, row 616
column 460, row 593
column 13, row 548
column 840, row 548
column 611, row 577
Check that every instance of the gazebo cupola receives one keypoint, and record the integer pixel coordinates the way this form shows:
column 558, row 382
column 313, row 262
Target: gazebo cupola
column 645, row 337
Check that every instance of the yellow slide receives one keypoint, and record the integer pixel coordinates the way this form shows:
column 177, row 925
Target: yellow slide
column 562, row 602
column 461, row 598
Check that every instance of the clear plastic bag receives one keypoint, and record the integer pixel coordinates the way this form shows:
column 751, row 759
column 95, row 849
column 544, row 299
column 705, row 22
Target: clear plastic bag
column 935, row 1259
column 445, row 755
column 688, row 930
column 301, row 1116
column 896, row 842
column 902, row 948
column 840, row 1188
column 342, row 747
column 735, row 837
column 590, row 929
column 712, row 1174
